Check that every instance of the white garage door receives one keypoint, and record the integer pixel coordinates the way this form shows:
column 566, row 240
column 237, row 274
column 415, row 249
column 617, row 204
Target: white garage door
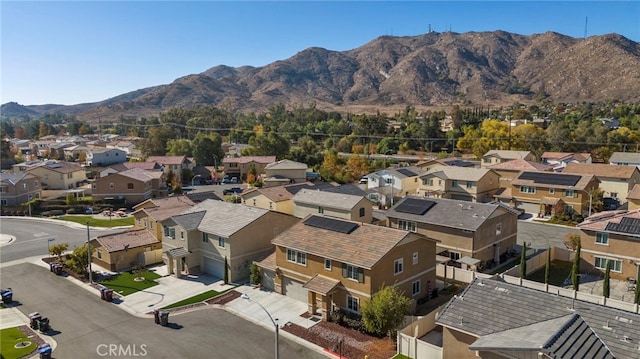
column 294, row 289
column 213, row 267
column 533, row 208
column 267, row 279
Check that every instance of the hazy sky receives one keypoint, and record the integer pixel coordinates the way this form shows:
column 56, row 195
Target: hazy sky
column 74, row 52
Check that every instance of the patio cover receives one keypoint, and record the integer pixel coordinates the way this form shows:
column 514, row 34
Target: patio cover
column 177, row 252
column 468, row 261
column 442, row 259
column 321, row 284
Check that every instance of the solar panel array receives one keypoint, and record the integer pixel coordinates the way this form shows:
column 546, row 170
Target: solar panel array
column 550, row 178
column 415, row 206
column 331, row 224
column 407, row 172
column 626, row 225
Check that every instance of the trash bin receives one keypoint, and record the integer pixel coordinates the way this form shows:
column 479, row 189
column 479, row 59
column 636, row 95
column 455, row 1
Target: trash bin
column 108, row 295
column 51, row 265
column 102, row 295
column 164, row 317
column 45, row 351
column 7, row 296
column 43, row 325
column 156, row 316
column 58, row 269
column 33, row 320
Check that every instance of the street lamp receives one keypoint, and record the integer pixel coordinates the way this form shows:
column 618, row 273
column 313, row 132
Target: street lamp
column 89, row 254
column 590, row 198
column 193, row 179
column 246, row 296
column 49, row 244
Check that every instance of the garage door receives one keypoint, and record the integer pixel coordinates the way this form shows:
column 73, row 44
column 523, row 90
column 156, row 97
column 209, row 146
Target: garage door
column 294, row 289
column 213, row 267
column 533, row 208
column 267, row 279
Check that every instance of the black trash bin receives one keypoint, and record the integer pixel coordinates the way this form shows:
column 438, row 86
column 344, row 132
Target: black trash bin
column 51, row 265
column 58, row 269
column 164, row 318
column 45, row 351
column 33, row 320
column 7, row 296
column 43, row 325
column 156, row 316
column 102, row 295
column 108, row 295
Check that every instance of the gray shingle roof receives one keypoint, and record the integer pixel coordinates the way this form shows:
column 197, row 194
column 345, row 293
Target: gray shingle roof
column 449, row 213
column 491, row 306
column 625, row 157
column 327, row 199
column 457, row 173
column 507, row 154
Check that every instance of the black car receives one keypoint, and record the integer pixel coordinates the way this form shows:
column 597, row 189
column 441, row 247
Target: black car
column 610, row 203
column 232, row 190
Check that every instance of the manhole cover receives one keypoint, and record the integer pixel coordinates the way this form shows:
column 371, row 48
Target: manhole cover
column 22, row 345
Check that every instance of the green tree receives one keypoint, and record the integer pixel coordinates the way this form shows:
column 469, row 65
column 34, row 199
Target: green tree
column 58, row 249
column 77, row 260
column 180, row 147
column 385, row 310
column 254, row 274
column 523, row 261
column 607, row 278
column 155, row 144
column 207, row 149
column 575, row 269
column 226, row 271
column 547, row 267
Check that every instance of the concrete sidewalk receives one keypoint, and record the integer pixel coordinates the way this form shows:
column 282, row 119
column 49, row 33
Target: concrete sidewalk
column 11, row 317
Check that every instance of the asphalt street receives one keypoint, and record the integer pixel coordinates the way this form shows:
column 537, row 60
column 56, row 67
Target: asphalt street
column 32, row 236
column 542, row 235
column 86, row 327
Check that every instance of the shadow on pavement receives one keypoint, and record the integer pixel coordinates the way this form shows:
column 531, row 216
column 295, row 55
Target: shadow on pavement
column 53, row 332
column 174, row 326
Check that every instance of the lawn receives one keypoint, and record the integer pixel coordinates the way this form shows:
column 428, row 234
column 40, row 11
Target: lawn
column 560, row 271
column 124, row 283
column 10, row 337
column 195, row 299
column 93, row 222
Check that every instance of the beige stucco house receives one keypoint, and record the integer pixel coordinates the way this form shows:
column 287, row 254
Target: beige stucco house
column 615, row 181
column 18, row 188
column 633, row 198
column 122, row 251
column 55, row 175
column 340, row 205
column 511, row 169
column 133, row 186
column 240, row 166
column 150, row 213
column 499, row 156
column 173, row 164
column 284, row 172
column 463, row 183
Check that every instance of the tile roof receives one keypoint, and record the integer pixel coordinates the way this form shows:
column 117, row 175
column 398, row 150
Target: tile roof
column 520, row 165
column 327, row 199
column 218, row 217
column 104, row 150
column 600, row 221
column 457, row 173
column 58, row 166
column 506, row 154
column 559, row 156
column 601, row 170
column 166, row 207
column 582, row 183
column 167, row 160
column 491, row 306
column 268, row 262
column 635, row 192
column 132, row 238
column 286, row 165
column 13, row 178
column 142, row 165
column 177, row 252
column 362, row 247
column 247, row 159
column 405, row 172
column 449, row 213
column 202, row 196
column 321, row 284
column 625, row 157
column 140, row 174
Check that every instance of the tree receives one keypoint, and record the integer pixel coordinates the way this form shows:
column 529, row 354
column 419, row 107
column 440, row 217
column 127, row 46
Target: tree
column 385, row 310
column 254, row 274
column 226, row 271
column 207, row 150
column 78, row 261
column 179, row 147
column 58, row 249
column 547, row 268
column 607, row 277
column 523, row 261
column 575, row 269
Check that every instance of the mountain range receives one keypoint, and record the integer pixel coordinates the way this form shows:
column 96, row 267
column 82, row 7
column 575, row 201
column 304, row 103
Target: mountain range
column 425, row 71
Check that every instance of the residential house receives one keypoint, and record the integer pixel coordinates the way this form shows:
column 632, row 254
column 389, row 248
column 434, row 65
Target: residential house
column 499, row 156
column 463, row 183
column 394, row 182
column 625, row 159
column 548, row 193
column 198, row 197
column 122, row 251
column 559, row 160
column 477, row 234
column 614, row 236
column 132, row 186
column 633, row 198
column 150, row 213
column 124, row 166
column 204, row 174
column 174, row 165
column 332, row 263
column 18, row 188
column 212, row 234
column 511, row 169
column 496, row 319
column 75, row 152
column 98, row 156
column 340, row 205
column 280, row 199
column 615, row 181
column 284, row 172
column 426, row 166
column 240, row 166
column 55, row 175
column 127, row 146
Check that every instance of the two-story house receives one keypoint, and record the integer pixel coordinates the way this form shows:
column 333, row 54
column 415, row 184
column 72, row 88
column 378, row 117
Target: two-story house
column 284, row 172
column 613, row 236
column 560, row 160
column 615, row 181
column 133, row 186
column 100, row 156
column 18, row 188
column 240, row 166
column 332, row 263
column 120, row 167
column 393, row 182
column 280, row 198
column 427, row 165
column 498, row 156
column 212, row 233
column 633, row 198
column 463, row 183
column 480, row 231
column 625, row 159
column 150, row 213
column 56, row 175
column 340, row 205
column 173, row 165
column 548, row 193
column 511, row 169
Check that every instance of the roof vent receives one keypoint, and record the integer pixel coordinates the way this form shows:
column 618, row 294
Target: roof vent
column 480, row 283
column 626, row 339
column 624, row 320
column 461, row 320
column 607, row 327
column 503, row 290
column 573, row 302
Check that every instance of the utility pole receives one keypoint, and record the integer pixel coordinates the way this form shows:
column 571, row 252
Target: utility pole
column 89, row 254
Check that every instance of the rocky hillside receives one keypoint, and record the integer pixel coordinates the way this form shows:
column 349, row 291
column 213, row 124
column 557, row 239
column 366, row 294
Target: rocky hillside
column 430, row 70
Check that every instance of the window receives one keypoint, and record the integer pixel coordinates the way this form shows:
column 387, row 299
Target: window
column 428, row 182
column 361, row 212
column 454, row 183
column 30, row 197
column 144, row 223
column 569, row 193
column 469, row 184
column 320, row 209
column 327, row 264
column 415, row 288
column 601, row 263
column 552, row 190
column 270, row 205
column 165, row 229
column 388, row 180
column 439, row 182
column 205, row 237
column 99, row 252
column 172, row 233
column 486, row 160
column 407, row 225
column 353, row 272
column 69, row 175
column 527, row 189
column 151, row 224
column 498, row 229
column 221, row 242
column 454, row 255
column 254, row 202
column 3, row 202
column 297, row 257
column 182, row 235
column 353, row 303
column 415, row 257
column 111, row 186
column 602, row 238
column 129, row 185
column 94, row 185
column 3, row 189
column 614, row 194
column 35, row 183
column 397, row 266
column 25, row 186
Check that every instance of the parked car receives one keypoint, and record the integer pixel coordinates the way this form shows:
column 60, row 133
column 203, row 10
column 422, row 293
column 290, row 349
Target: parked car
column 610, row 203
column 226, row 179
column 234, row 180
column 232, row 190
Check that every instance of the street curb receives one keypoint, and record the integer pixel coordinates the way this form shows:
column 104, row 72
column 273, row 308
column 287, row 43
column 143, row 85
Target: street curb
column 65, row 223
